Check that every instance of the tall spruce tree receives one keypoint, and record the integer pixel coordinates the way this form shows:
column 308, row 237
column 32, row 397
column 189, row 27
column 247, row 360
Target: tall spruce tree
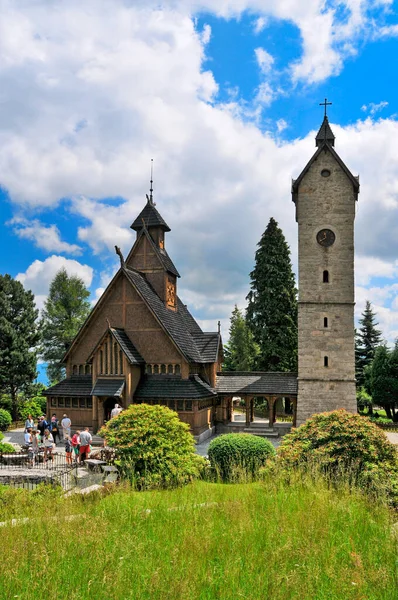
column 272, row 303
column 384, row 380
column 241, row 350
column 19, row 337
column 65, row 310
column 367, row 339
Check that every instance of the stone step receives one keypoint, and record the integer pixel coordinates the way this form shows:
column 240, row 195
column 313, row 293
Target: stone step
column 261, row 432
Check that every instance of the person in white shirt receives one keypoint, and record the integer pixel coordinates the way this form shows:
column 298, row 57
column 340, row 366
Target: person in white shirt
column 28, row 437
column 66, row 424
column 116, row 411
column 48, row 444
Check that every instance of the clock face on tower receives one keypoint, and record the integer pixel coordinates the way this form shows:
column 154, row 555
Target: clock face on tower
column 325, row 237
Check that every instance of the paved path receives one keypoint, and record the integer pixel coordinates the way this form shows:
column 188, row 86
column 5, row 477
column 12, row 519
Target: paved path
column 392, row 436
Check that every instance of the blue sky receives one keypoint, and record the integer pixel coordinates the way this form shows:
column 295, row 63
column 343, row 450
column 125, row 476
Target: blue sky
column 224, row 95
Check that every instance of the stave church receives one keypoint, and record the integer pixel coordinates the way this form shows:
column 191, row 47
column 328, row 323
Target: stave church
column 140, row 343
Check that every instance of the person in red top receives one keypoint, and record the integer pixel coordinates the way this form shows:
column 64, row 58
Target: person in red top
column 76, row 445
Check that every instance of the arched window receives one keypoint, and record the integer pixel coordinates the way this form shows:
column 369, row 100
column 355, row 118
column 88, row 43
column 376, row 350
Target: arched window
column 120, row 362
column 88, row 369
column 74, row 370
column 115, row 357
column 325, row 361
column 149, row 369
column 106, row 359
column 170, row 369
column 325, row 321
column 81, row 370
column 163, row 369
column 326, row 277
column 177, row 369
column 156, row 369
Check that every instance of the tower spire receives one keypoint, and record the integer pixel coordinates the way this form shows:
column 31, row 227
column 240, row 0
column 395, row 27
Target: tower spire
column 151, row 182
column 325, row 133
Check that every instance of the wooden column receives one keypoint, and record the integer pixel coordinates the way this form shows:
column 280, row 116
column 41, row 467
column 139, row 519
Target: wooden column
column 271, row 401
column 95, row 414
column 247, row 406
column 251, row 410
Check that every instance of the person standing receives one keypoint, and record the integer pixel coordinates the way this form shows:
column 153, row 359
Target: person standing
column 34, row 447
column 54, row 428
column 116, row 411
column 66, row 424
column 85, row 441
column 29, row 423
column 68, row 450
column 41, row 427
column 28, row 437
column 76, row 445
column 48, row 444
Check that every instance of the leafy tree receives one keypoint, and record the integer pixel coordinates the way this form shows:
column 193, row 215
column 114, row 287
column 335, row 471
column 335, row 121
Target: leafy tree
column 367, row 339
column 19, row 337
column 384, row 380
column 272, row 309
column 241, row 350
column 65, row 310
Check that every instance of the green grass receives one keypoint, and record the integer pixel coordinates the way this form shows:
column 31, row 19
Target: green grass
column 268, row 541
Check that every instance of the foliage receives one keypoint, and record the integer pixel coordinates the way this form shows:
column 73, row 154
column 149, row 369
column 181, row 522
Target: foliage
column 154, row 447
column 65, row 310
column 6, row 402
column 303, row 540
column 364, row 400
column 382, row 420
column 384, row 380
column 5, row 447
column 241, row 351
column 5, row 419
column 1, row 436
column 340, row 442
column 272, row 303
column 32, row 407
column 19, row 337
column 367, row 339
column 234, row 456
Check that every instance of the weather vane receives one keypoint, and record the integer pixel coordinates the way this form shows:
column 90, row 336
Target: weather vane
column 325, row 104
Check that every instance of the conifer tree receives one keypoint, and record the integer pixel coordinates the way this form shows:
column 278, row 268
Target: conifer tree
column 384, row 380
column 367, row 339
column 18, row 339
column 272, row 309
column 65, row 311
column 241, row 351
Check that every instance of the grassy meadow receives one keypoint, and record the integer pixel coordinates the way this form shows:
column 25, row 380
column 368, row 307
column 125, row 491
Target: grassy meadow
column 270, row 541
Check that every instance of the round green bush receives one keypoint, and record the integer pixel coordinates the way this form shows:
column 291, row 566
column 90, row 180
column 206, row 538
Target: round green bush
column 154, row 448
column 239, row 456
column 5, row 447
column 5, row 419
column 343, row 443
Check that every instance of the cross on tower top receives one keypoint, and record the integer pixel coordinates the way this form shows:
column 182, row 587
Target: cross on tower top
column 325, row 104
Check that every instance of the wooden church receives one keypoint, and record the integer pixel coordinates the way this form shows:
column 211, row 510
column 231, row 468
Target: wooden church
column 140, row 343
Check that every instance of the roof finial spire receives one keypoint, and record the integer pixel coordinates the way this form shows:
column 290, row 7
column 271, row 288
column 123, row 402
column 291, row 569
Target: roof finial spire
column 151, row 188
column 325, row 104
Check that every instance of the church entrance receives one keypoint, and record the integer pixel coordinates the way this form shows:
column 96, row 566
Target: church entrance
column 108, row 405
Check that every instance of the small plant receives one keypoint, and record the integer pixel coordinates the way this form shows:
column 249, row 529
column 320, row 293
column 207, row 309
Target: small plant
column 5, row 447
column 154, row 448
column 342, row 443
column 5, row 419
column 239, row 456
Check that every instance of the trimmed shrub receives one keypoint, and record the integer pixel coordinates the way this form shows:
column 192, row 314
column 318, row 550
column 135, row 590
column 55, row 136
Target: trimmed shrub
column 1, row 436
column 31, row 407
column 342, row 443
column 154, row 448
column 239, row 456
column 5, row 419
column 5, row 447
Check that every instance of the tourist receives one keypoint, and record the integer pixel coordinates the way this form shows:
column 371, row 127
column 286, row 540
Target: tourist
column 85, row 441
column 54, row 428
column 48, row 444
column 28, row 436
column 76, row 445
column 34, row 447
column 29, row 423
column 42, row 426
column 68, row 450
column 116, row 411
column 66, row 424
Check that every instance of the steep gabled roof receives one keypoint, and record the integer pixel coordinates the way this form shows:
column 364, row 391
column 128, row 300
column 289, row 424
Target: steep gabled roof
column 325, row 133
column 325, row 147
column 125, row 344
column 161, row 253
column 208, row 344
column 151, row 218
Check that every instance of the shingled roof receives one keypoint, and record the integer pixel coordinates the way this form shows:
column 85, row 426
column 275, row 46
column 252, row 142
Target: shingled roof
column 162, row 386
column 325, row 133
column 75, row 385
column 125, row 344
column 208, row 344
column 151, row 218
column 106, row 386
column 256, row 383
column 174, row 322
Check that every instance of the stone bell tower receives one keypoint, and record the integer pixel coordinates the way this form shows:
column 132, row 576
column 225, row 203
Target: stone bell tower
column 325, row 195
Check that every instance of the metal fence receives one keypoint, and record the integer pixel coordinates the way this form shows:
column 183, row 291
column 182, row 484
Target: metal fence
column 27, row 469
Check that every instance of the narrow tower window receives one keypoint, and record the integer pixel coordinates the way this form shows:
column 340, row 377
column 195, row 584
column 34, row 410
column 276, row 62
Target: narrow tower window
column 325, row 361
column 325, row 321
column 326, row 277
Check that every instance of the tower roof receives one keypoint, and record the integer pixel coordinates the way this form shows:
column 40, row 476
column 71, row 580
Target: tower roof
column 150, row 216
column 325, row 133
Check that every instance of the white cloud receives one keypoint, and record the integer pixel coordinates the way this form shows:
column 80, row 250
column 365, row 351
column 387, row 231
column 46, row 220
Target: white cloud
column 373, row 108
column 40, row 274
column 259, row 25
column 281, row 125
column 46, row 237
column 264, row 60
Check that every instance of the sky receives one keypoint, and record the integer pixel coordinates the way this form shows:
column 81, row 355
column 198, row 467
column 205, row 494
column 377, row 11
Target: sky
column 224, row 96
